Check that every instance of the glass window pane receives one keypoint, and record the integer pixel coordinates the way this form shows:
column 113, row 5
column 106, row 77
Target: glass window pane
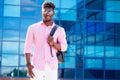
column 68, row 4
column 90, row 51
column 71, row 50
column 56, row 2
column 95, row 16
column 25, row 23
column 93, row 63
column 29, row 2
column 7, row 71
column 0, row 34
column 29, row 12
column 112, row 5
column 1, row 10
column 69, row 63
column 10, row 47
column 66, row 14
column 79, row 62
column 23, row 35
column 23, row 72
column 66, row 74
column 80, row 15
column 1, row 22
column 12, row 35
column 93, row 4
column 80, row 4
column 57, row 15
column 13, row 11
column 112, row 17
column 9, row 60
column 11, row 23
column 22, row 60
column 14, row 2
column 22, row 48
column 112, row 64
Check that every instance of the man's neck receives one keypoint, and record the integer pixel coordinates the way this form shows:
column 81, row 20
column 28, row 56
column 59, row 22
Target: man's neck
column 48, row 23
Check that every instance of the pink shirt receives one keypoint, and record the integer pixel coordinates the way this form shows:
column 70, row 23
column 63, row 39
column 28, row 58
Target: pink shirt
column 36, row 44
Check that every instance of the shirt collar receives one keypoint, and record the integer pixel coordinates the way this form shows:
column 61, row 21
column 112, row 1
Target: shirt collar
column 42, row 23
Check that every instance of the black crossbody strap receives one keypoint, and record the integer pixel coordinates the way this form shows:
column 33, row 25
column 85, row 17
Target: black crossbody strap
column 53, row 30
column 51, row 34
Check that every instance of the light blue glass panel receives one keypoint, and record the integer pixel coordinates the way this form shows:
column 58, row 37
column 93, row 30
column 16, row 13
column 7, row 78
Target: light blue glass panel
column 22, row 48
column 23, row 35
column 28, row 12
column 117, row 51
column 99, row 51
column 12, row 11
column 56, row 2
column 56, row 15
column 69, row 63
column 109, row 51
column 112, row 5
column 7, row 70
column 90, row 51
column 67, row 14
column 11, row 23
column 1, row 10
column 93, row 63
column 25, row 23
column 9, row 60
column 112, row 64
column 29, row 2
column 10, row 47
column 71, row 50
column 0, row 34
column 68, row 4
column 112, row 17
column 1, row 22
column 12, row 35
column 14, row 2
column 22, row 60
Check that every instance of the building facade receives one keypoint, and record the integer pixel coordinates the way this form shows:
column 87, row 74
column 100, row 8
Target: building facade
column 93, row 35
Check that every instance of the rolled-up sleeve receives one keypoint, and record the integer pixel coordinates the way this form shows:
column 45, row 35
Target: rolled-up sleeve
column 62, row 39
column 29, row 41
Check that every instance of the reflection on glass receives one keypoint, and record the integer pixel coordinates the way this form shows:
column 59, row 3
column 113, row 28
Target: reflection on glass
column 0, row 34
column 93, row 4
column 66, row 14
column 95, row 16
column 25, row 23
column 79, row 62
column 69, row 63
column 14, row 2
column 80, row 15
column 93, row 63
column 10, row 47
column 28, row 12
column 109, row 51
column 9, row 71
column 90, row 51
column 12, row 35
column 112, row 64
column 112, row 5
column 68, row 4
column 57, row 15
column 12, row 11
column 11, row 23
column 23, row 72
column 9, row 60
column 29, row 2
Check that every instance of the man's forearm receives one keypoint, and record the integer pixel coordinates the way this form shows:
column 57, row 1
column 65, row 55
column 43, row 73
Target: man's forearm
column 27, row 55
column 56, row 46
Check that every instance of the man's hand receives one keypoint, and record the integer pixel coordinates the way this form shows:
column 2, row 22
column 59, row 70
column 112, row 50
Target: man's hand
column 50, row 40
column 30, row 67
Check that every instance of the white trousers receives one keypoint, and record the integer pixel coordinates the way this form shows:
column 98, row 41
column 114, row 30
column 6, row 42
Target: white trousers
column 48, row 74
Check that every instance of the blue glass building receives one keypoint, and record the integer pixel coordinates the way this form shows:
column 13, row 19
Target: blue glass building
column 93, row 35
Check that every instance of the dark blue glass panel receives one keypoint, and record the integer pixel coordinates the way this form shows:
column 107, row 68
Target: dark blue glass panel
column 1, row 10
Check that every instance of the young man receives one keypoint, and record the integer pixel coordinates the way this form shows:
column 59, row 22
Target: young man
column 44, row 66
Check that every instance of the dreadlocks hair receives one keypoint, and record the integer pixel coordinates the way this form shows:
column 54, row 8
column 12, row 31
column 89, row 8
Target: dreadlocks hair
column 48, row 4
